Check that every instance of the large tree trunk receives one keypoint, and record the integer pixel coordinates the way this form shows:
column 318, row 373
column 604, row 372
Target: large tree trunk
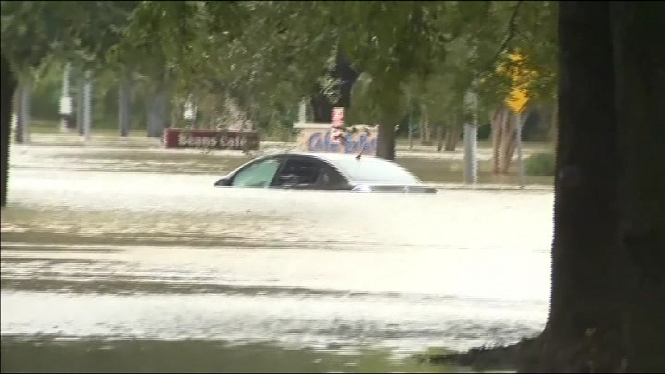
column 158, row 113
column 638, row 32
column 23, row 118
column 18, row 107
column 503, row 139
column 8, row 88
column 440, row 138
column 125, row 105
column 452, row 137
column 554, row 123
column 508, row 142
column 80, row 103
column 386, row 139
column 496, row 117
column 425, row 129
column 583, row 332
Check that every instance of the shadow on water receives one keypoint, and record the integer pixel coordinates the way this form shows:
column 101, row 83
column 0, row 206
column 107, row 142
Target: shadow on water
column 194, row 356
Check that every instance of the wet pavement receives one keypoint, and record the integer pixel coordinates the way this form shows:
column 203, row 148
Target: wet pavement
column 97, row 247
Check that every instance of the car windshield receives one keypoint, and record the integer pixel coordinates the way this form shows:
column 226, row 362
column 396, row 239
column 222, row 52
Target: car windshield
column 370, row 169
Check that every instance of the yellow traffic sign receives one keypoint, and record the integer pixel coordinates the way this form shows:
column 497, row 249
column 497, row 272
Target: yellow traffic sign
column 517, row 100
column 519, row 95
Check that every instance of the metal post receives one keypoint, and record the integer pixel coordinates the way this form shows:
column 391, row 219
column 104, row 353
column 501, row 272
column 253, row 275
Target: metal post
column 87, row 105
column 520, row 161
column 65, row 99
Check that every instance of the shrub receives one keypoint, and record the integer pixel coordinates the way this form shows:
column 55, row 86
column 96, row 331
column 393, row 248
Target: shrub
column 540, row 164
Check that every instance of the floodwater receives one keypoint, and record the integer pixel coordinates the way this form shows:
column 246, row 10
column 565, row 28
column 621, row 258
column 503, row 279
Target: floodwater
column 112, row 264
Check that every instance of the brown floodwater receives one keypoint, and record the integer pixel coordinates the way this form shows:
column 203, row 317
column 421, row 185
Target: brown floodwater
column 115, row 252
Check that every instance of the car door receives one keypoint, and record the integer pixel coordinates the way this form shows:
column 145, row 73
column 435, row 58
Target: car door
column 260, row 173
column 300, row 172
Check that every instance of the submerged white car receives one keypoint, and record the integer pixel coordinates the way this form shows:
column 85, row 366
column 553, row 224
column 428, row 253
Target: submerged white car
column 325, row 171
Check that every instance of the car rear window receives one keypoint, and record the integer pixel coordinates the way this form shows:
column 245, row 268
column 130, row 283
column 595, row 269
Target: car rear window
column 370, row 169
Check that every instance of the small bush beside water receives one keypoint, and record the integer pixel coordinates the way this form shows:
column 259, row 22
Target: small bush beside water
column 540, row 164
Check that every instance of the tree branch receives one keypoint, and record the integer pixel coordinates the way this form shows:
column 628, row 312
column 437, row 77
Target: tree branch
column 510, row 34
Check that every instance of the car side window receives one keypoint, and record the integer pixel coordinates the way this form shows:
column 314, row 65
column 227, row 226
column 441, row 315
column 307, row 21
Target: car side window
column 299, row 171
column 259, row 174
column 330, row 178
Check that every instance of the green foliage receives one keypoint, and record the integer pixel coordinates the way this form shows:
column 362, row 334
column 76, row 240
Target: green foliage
column 266, row 56
column 541, row 164
column 33, row 31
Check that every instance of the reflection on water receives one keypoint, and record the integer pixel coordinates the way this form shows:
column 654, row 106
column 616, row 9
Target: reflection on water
column 167, row 257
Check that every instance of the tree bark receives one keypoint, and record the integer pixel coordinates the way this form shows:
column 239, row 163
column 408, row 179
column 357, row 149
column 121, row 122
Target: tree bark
column 638, row 28
column 440, row 137
column 503, row 139
column 386, row 139
column 125, row 105
column 554, row 123
column 8, row 87
column 425, row 129
column 158, row 113
column 452, row 137
column 80, row 103
column 18, row 129
column 497, row 134
column 23, row 118
column 508, row 141
column 583, row 332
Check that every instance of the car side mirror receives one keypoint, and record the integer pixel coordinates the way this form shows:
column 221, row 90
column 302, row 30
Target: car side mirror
column 223, row 182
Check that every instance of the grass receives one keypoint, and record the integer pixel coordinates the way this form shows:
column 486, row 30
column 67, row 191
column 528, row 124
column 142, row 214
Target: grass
column 187, row 356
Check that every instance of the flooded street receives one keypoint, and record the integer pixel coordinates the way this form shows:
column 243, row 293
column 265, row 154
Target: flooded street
column 97, row 247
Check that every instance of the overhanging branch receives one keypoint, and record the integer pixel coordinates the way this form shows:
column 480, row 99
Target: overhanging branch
column 510, row 33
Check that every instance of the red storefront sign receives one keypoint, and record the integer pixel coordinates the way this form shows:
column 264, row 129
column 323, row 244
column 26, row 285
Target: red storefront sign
column 215, row 139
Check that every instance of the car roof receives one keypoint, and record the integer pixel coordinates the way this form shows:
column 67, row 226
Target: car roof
column 340, row 162
column 326, row 156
